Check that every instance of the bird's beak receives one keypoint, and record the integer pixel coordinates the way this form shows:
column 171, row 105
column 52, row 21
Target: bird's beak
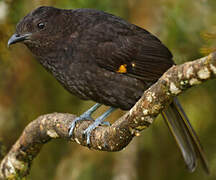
column 18, row 38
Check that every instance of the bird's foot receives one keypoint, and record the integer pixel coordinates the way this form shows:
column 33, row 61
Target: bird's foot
column 73, row 124
column 96, row 123
column 87, row 133
column 85, row 115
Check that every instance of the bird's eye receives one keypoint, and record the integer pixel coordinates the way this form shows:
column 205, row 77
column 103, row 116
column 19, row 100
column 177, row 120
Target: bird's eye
column 41, row 25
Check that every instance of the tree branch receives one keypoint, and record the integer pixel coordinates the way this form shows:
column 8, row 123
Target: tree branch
column 177, row 79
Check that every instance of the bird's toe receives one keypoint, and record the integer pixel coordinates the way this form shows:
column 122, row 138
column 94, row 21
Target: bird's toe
column 73, row 125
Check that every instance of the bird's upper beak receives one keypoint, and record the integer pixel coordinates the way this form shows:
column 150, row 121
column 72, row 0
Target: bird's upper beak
column 18, row 38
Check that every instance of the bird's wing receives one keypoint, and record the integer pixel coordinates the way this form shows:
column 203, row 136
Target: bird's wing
column 133, row 52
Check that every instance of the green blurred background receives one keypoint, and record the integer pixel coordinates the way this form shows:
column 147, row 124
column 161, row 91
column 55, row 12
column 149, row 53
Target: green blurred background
column 27, row 91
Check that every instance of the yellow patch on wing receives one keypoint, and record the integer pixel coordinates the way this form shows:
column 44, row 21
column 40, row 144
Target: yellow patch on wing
column 122, row 68
column 133, row 65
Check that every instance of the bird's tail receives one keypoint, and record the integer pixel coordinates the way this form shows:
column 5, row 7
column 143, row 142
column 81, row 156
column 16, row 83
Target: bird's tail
column 185, row 136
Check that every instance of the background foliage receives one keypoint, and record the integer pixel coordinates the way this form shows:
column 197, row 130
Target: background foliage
column 27, row 91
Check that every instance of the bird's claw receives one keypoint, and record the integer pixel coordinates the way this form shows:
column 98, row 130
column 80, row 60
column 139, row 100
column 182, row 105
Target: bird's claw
column 87, row 132
column 73, row 124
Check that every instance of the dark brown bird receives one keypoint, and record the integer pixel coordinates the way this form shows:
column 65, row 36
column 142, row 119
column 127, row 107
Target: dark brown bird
column 98, row 56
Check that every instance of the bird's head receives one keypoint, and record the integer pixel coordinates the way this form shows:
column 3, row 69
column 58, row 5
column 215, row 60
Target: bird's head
column 41, row 28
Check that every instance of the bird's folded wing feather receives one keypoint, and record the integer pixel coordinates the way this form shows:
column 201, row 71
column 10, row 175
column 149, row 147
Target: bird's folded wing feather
column 134, row 52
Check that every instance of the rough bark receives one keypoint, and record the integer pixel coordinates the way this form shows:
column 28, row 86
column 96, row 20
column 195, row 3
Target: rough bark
column 16, row 164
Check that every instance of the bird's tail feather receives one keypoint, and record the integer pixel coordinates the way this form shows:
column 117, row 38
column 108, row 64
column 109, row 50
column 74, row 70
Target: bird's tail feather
column 185, row 136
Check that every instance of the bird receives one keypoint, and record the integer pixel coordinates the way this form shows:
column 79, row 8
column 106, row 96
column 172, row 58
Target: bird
column 101, row 57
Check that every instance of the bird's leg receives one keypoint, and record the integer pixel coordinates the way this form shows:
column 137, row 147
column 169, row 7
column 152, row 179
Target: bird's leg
column 85, row 115
column 97, row 122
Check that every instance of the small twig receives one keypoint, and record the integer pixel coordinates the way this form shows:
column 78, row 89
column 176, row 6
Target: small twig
column 16, row 164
